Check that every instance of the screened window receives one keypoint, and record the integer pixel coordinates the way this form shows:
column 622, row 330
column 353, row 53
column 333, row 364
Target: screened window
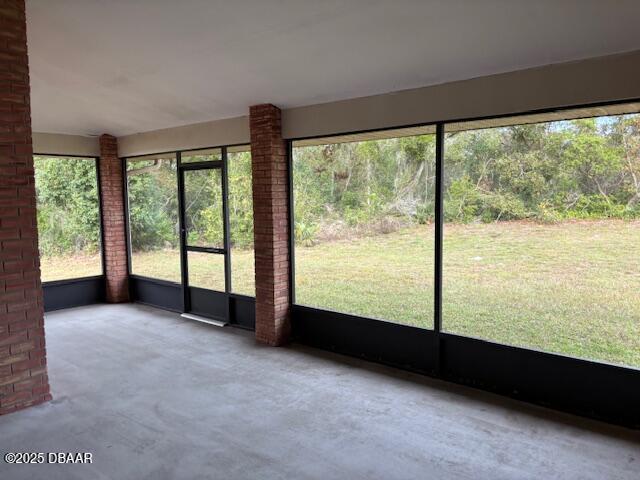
column 206, row 270
column 153, row 217
column 241, row 220
column 208, row 155
column 203, row 211
column 68, row 212
column 541, row 236
column 364, row 234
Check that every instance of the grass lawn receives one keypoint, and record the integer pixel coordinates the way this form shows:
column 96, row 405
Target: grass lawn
column 571, row 288
column 205, row 270
column 66, row 267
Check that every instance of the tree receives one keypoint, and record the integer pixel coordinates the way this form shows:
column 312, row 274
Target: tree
column 68, row 206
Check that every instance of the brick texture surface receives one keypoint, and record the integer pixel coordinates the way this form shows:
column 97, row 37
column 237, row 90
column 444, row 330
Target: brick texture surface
column 271, row 225
column 113, row 221
column 23, row 365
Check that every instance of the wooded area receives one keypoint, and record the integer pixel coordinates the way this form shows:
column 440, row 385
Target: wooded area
column 548, row 172
column 68, row 205
column 153, row 204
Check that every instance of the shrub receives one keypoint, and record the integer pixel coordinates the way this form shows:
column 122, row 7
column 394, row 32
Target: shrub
column 502, row 206
column 305, row 233
column 463, row 201
column 425, row 213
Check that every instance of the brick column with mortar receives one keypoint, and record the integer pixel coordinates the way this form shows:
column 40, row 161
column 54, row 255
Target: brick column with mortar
column 113, row 221
column 23, row 366
column 271, row 225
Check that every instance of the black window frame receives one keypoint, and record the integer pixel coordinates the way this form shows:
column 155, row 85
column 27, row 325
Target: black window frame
column 96, row 161
column 438, row 228
column 541, row 377
column 174, row 296
column 77, row 291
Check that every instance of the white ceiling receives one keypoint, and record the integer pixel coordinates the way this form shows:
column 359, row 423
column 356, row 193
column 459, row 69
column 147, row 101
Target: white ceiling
column 127, row 66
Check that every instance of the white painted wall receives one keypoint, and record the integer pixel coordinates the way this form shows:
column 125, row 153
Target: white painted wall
column 55, row 143
column 602, row 79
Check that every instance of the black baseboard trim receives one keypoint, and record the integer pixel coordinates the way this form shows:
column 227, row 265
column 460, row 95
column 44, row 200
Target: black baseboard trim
column 157, row 293
column 596, row 390
column 168, row 296
column 73, row 293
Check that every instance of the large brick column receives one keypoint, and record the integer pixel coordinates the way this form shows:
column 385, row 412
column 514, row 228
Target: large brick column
column 271, row 225
column 23, row 371
column 113, row 221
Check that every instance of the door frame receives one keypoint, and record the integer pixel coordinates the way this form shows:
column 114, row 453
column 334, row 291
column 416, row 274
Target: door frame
column 195, row 300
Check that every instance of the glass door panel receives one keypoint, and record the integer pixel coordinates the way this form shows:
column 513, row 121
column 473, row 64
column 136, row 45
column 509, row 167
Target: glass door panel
column 203, row 212
column 206, row 270
column 205, row 253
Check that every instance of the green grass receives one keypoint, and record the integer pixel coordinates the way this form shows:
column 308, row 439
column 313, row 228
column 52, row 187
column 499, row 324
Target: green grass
column 205, row 270
column 66, row 267
column 571, row 288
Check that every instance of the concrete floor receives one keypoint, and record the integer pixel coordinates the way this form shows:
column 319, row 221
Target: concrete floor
column 154, row 396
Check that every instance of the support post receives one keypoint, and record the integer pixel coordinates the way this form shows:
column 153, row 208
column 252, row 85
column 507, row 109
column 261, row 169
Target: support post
column 271, row 225
column 23, row 366
column 113, row 221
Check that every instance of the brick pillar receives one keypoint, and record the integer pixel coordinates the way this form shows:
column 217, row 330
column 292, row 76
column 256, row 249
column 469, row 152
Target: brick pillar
column 23, row 370
column 271, row 225
column 115, row 239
